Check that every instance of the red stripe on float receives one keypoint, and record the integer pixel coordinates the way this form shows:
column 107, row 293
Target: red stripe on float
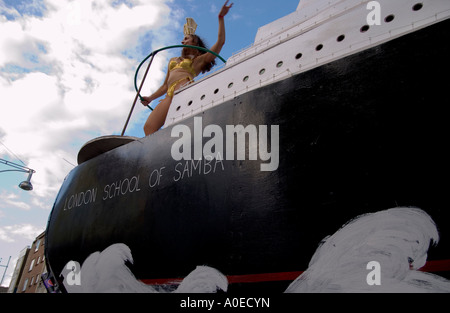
column 430, row 266
column 235, row 279
column 436, row 266
column 259, row 278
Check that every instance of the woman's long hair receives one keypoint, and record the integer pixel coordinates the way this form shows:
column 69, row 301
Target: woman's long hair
column 201, row 44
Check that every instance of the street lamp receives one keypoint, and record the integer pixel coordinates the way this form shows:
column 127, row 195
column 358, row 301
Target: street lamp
column 26, row 184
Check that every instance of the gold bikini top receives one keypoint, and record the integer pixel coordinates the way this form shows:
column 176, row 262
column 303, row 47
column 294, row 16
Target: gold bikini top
column 186, row 64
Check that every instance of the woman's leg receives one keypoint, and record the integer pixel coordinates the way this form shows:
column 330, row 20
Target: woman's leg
column 157, row 118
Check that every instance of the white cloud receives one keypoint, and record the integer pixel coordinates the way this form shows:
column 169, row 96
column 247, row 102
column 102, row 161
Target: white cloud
column 67, row 76
column 23, row 231
column 5, row 11
column 12, row 201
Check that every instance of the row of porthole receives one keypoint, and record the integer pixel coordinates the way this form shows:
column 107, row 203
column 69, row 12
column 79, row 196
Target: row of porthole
column 319, row 47
column 262, row 71
column 391, row 17
column 230, row 85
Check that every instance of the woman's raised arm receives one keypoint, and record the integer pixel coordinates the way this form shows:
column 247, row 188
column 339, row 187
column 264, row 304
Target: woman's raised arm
column 217, row 47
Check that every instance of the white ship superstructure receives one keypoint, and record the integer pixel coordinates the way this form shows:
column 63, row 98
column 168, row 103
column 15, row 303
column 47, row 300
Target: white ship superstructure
column 317, row 33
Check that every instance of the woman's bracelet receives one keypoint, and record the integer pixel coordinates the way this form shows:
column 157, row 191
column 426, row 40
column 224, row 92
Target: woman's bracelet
column 221, row 16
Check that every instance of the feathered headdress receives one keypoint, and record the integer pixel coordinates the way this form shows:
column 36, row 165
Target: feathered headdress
column 190, row 27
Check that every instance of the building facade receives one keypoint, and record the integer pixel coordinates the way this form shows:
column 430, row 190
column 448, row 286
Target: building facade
column 18, row 270
column 30, row 280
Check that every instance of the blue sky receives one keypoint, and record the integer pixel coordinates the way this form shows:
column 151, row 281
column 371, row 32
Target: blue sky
column 66, row 76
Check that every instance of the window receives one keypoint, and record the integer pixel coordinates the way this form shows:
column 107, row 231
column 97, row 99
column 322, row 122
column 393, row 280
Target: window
column 25, row 284
column 389, row 18
column 364, row 28
column 37, row 245
column 31, row 266
column 418, row 7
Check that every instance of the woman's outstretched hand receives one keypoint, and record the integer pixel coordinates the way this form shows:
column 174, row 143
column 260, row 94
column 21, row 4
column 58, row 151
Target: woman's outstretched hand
column 225, row 9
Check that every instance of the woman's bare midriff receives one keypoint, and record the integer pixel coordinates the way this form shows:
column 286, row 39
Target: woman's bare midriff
column 177, row 75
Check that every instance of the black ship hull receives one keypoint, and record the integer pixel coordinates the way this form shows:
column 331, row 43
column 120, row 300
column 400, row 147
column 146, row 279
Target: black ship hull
column 362, row 134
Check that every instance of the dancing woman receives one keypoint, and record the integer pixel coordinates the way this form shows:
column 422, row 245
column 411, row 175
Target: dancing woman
column 182, row 70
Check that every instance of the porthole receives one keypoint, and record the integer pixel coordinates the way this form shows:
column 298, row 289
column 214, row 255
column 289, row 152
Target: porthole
column 418, row 7
column 389, row 18
column 364, row 28
column 178, row 109
column 262, row 71
column 280, row 64
column 340, row 38
column 319, row 47
column 190, row 103
column 245, row 78
column 216, row 91
column 298, row 56
column 230, row 85
column 202, row 97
